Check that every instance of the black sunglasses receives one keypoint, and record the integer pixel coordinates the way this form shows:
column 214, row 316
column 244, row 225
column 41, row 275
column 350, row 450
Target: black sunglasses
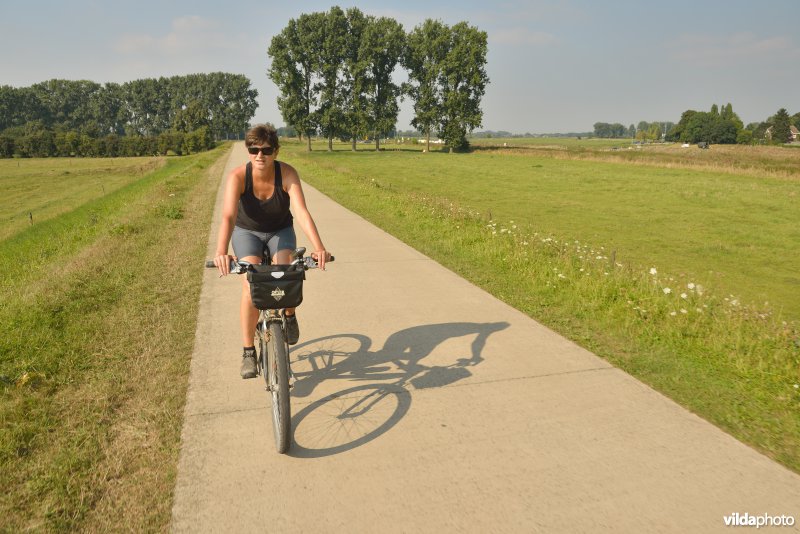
column 266, row 150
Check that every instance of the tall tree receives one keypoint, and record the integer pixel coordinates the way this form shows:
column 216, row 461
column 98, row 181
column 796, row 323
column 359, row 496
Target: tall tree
column 382, row 46
column 295, row 55
column 331, row 89
column 425, row 53
column 781, row 131
column 356, row 82
column 464, row 81
column 727, row 113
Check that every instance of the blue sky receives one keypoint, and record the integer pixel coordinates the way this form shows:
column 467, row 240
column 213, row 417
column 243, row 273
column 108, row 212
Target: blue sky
column 554, row 66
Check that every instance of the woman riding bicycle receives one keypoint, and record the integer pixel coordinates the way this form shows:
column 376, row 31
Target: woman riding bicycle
column 257, row 222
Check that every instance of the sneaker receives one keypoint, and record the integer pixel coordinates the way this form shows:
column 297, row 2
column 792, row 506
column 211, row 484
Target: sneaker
column 249, row 364
column 292, row 329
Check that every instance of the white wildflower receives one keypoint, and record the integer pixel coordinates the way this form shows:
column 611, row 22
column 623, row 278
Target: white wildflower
column 667, row 291
column 690, row 285
column 684, row 311
column 653, row 271
column 673, row 314
column 684, row 296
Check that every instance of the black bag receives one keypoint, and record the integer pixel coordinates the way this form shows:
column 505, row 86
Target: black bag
column 276, row 286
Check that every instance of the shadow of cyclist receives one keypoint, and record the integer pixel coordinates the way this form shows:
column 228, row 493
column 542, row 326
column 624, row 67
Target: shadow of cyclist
column 358, row 414
column 399, row 360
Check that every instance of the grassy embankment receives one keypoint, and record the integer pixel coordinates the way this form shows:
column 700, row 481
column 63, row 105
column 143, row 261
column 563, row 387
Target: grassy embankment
column 662, row 268
column 97, row 305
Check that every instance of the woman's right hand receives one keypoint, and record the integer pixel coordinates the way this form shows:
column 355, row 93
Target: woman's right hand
column 223, row 263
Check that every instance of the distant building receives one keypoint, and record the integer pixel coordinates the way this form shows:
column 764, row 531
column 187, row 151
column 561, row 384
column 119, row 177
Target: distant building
column 794, row 131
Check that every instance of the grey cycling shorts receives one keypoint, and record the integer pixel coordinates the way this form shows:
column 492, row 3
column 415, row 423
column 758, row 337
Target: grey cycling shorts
column 252, row 243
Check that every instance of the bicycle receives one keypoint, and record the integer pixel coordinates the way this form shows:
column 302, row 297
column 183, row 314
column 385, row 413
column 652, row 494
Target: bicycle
column 273, row 288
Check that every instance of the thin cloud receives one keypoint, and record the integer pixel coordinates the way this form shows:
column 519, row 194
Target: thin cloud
column 521, row 36
column 190, row 35
column 734, row 49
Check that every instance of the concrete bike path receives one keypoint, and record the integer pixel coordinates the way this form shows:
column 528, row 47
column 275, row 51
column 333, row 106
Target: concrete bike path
column 423, row 404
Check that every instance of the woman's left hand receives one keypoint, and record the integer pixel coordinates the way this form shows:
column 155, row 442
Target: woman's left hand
column 321, row 256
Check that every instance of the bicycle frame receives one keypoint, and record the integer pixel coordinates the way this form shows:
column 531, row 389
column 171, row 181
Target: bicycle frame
column 273, row 362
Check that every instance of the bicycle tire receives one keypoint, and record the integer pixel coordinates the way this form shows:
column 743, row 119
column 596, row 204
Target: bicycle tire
column 277, row 377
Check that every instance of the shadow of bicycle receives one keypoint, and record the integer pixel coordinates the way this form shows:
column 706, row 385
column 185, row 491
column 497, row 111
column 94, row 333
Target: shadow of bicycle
column 358, row 414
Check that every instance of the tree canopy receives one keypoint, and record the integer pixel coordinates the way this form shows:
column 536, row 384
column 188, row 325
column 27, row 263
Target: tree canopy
column 222, row 102
column 781, row 127
column 447, row 79
column 334, row 73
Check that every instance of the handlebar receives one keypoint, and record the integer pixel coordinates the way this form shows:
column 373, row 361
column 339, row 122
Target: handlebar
column 298, row 260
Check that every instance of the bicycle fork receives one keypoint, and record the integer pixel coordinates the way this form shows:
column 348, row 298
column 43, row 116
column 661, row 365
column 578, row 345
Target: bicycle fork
column 263, row 328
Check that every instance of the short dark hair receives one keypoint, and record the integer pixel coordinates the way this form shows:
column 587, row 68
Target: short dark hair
column 260, row 134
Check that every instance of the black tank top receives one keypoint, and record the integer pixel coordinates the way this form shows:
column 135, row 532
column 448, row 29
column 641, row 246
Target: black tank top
column 268, row 215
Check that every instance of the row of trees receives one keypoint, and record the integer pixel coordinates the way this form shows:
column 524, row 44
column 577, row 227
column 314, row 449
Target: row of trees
column 43, row 143
column 221, row 102
column 776, row 129
column 720, row 125
column 334, row 73
column 644, row 131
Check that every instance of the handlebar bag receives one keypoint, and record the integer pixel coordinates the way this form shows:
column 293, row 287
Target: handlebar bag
column 275, row 286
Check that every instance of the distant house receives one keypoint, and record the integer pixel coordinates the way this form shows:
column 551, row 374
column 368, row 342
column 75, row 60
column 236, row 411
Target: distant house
column 794, row 131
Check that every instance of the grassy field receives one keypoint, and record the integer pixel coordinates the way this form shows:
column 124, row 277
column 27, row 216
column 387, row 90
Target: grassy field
column 34, row 190
column 734, row 231
column 663, row 271
column 97, row 307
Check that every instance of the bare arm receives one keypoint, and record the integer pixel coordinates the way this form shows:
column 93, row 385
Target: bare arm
column 234, row 187
column 292, row 185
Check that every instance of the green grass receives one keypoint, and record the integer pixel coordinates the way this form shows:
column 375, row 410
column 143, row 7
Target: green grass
column 36, row 189
column 98, row 307
column 735, row 232
column 578, row 254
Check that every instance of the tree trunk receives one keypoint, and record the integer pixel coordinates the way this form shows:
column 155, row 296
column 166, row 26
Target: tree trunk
column 330, row 144
column 308, row 138
column 353, row 142
column 428, row 134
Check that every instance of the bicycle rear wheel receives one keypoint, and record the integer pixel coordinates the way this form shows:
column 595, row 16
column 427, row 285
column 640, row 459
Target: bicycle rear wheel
column 277, row 377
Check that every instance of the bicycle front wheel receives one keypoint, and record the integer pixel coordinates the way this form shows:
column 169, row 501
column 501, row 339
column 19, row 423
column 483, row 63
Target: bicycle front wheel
column 277, row 377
